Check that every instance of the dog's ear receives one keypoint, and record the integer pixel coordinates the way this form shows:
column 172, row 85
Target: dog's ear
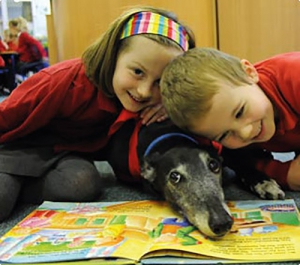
column 148, row 171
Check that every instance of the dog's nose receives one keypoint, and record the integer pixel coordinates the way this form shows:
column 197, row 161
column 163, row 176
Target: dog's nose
column 220, row 221
column 221, row 226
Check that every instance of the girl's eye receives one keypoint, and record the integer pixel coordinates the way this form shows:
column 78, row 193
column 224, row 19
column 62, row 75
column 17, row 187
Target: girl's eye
column 138, row 71
column 240, row 113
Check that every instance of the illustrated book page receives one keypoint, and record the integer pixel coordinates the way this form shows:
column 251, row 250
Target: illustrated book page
column 140, row 230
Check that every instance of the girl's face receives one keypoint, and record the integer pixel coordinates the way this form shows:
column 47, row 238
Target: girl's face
column 138, row 71
column 14, row 30
column 239, row 116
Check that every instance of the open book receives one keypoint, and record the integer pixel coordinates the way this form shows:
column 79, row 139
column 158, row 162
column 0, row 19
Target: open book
column 150, row 232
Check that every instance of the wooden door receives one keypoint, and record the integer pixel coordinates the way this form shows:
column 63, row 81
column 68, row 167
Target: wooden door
column 257, row 29
column 77, row 23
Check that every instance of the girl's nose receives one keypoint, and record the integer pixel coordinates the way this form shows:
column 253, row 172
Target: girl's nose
column 144, row 90
column 245, row 133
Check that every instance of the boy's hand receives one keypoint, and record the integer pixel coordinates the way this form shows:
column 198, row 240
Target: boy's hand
column 156, row 113
column 293, row 178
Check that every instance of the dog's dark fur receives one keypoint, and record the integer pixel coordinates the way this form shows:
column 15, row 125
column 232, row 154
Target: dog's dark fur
column 187, row 175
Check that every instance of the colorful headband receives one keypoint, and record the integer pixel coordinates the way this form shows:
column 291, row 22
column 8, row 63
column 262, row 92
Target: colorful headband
column 153, row 23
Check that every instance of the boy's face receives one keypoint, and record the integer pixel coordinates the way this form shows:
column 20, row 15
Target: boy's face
column 239, row 115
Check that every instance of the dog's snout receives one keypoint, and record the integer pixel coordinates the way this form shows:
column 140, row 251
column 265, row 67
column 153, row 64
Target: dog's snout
column 221, row 226
column 220, row 221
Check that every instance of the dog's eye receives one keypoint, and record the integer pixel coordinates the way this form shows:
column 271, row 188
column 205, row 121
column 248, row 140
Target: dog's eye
column 175, row 177
column 214, row 165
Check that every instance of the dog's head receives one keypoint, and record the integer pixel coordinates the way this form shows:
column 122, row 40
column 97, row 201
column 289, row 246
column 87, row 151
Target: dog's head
column 190, row 180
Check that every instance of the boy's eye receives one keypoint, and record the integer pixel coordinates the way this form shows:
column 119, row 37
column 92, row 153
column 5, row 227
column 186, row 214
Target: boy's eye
column 222, row 137
column 240, row 113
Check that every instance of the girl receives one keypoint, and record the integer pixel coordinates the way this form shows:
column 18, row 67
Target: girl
column 11, row 40
column 30, row 50
column 53, row 124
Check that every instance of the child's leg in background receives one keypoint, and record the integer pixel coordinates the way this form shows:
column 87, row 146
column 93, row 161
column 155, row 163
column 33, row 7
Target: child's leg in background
column 73, row 179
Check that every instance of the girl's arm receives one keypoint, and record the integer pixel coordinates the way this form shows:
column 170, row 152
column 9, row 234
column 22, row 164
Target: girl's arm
column 29, row 107
column 156, row 113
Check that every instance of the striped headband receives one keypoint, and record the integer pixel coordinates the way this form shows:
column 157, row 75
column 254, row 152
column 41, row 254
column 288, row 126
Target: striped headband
column 153, row 23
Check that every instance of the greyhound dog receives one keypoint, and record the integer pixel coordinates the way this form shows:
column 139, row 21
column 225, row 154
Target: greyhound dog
column 186, row 174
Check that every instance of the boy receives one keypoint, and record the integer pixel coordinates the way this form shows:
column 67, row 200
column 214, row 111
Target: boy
column 240, row 105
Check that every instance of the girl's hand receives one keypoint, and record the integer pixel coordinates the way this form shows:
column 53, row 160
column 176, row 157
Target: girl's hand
column 156, row 113
column 293, row 178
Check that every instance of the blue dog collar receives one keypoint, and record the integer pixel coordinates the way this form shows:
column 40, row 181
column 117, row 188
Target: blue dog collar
column 165, row 136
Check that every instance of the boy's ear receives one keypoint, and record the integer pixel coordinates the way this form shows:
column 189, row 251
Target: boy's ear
column 250, row 70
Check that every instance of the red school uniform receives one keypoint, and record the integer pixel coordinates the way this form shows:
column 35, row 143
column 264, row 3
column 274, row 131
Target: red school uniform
column 3, row 48
column 12, row 46
column 63, row 101
column 2, row 62
column 29, row 48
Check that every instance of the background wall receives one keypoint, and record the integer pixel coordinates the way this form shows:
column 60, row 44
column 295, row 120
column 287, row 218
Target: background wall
column 256, row 29
column 75, row 24
column 251, row 29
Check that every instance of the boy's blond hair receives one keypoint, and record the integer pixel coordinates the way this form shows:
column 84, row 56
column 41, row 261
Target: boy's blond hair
column 190, row 81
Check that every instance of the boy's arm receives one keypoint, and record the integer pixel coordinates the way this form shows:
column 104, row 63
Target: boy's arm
column 245, row 160
column 293, row 175
column 276, row 170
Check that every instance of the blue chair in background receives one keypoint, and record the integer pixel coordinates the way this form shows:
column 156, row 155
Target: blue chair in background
column 7, row 73
column 29, row 69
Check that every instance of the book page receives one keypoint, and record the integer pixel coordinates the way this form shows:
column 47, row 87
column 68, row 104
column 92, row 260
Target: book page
column 262, row 231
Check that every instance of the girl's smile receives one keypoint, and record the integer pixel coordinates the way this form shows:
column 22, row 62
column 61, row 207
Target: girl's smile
column 135, row 99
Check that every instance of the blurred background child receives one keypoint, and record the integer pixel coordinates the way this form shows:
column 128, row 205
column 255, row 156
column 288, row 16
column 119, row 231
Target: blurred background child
column 30, row 50
column 11, row 40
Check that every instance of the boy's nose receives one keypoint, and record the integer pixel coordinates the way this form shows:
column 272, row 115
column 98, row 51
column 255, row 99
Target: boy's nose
column 245, row 133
